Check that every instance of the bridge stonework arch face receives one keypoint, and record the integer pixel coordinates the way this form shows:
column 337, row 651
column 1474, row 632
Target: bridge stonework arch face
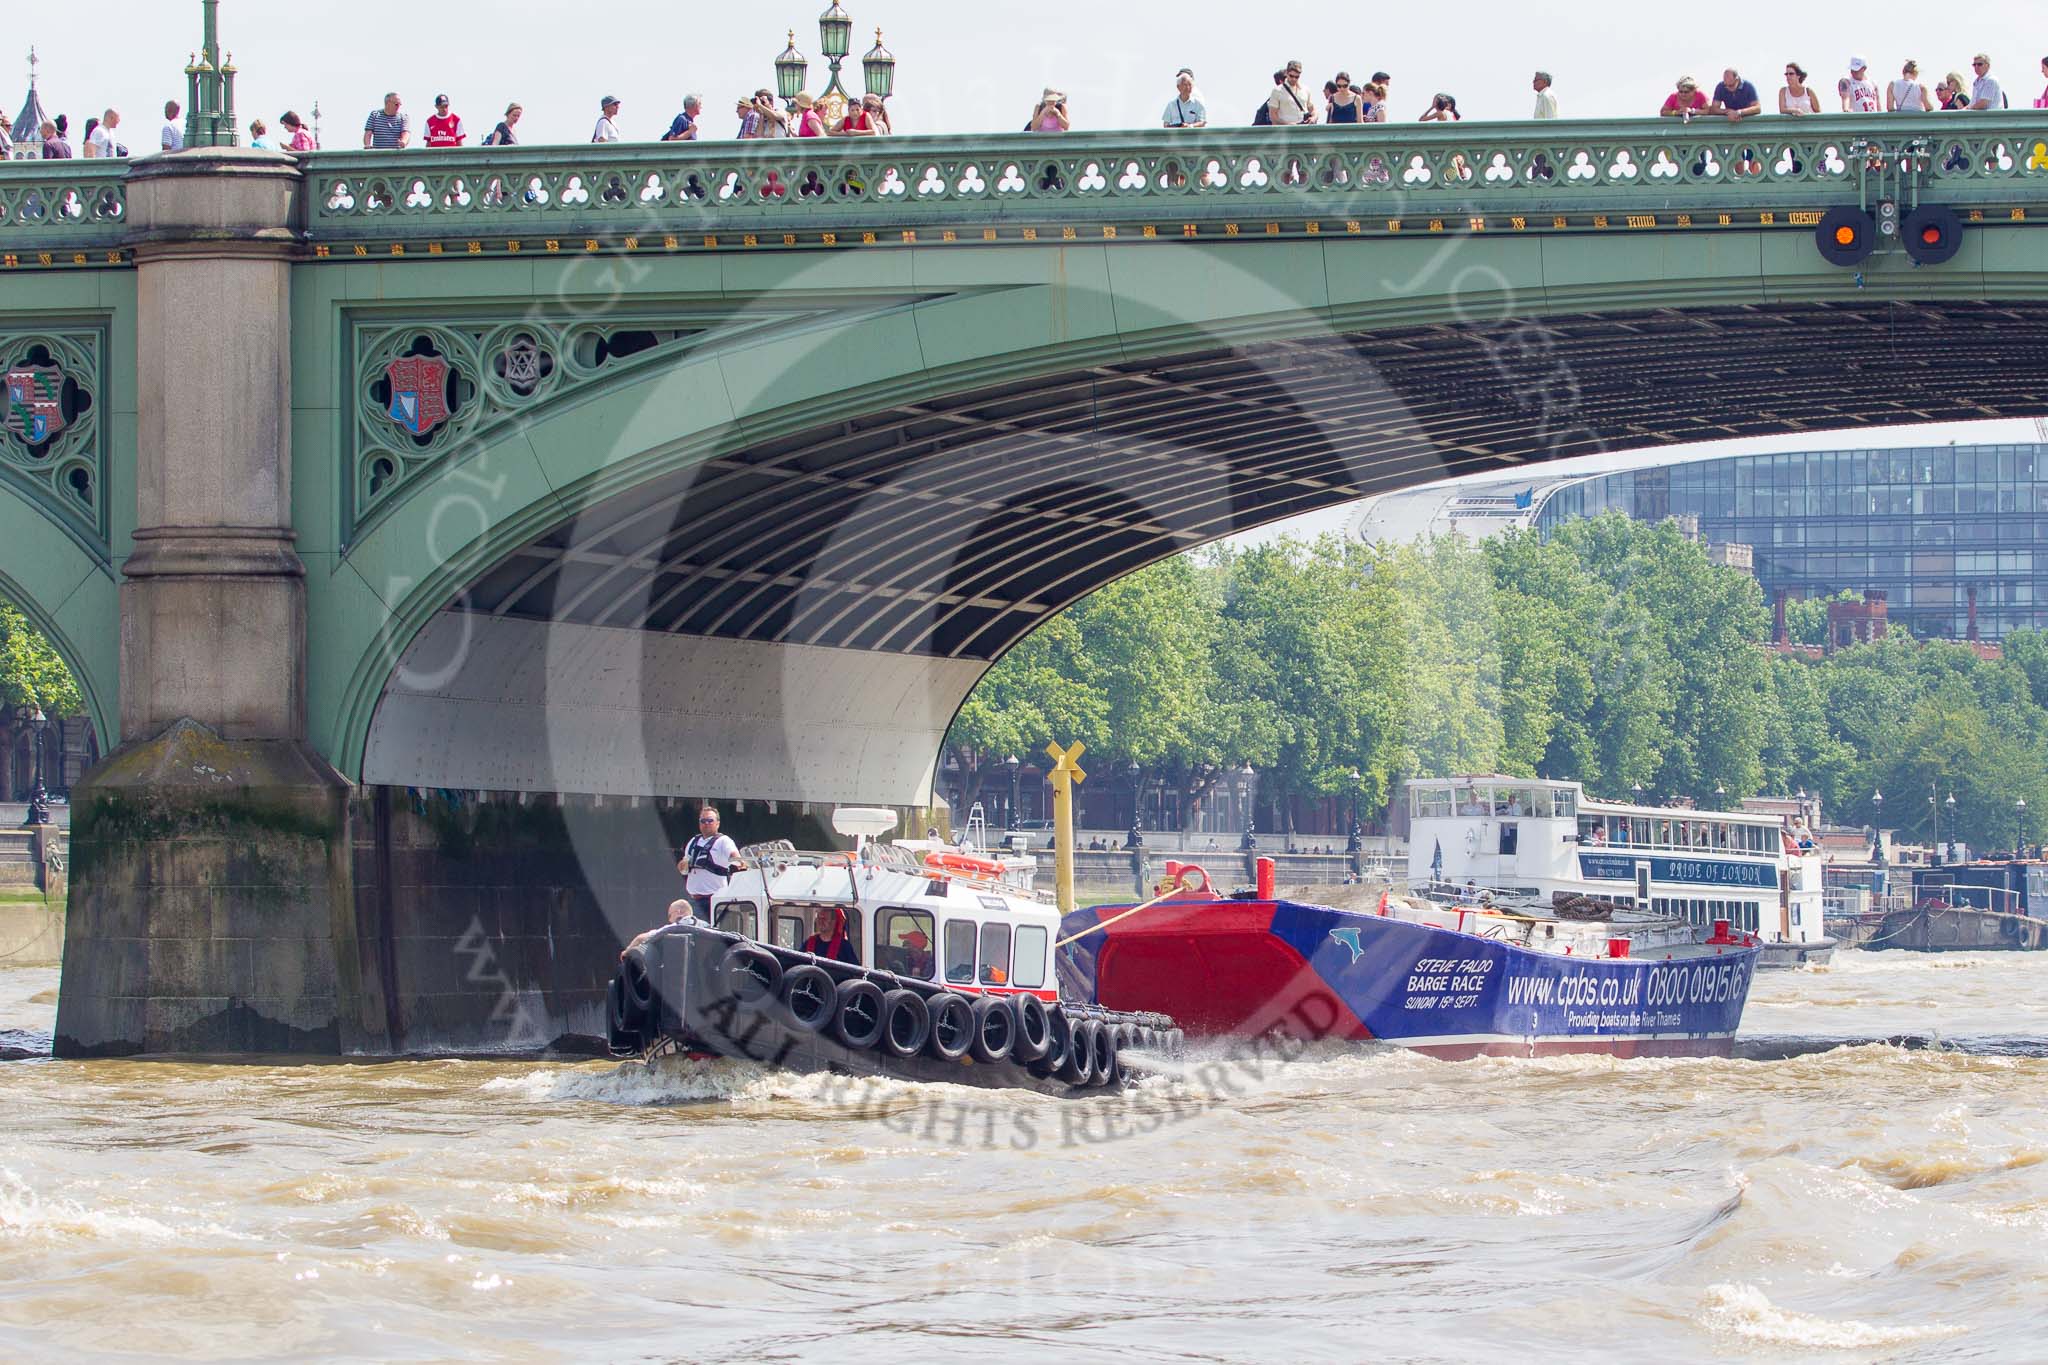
column 728, row 470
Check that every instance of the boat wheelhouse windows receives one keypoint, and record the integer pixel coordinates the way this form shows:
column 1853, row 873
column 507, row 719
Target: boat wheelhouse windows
column 1432, row 802
column 995, row 954
column 789, row 927
column 903, row 942
column 1029, row 973
column 1564, row 802
column 1510, row 839
column 960, row 951
column 738, row 917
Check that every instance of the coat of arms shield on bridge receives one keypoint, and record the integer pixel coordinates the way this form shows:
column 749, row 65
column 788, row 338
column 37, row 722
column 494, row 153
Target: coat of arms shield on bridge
column 35, row 403
column 419, row 392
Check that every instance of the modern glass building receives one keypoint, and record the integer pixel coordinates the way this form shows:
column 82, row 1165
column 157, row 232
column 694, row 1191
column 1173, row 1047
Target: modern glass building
column 1925, row 526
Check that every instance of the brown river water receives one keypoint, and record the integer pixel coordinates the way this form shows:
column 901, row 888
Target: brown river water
column 1826, row 1196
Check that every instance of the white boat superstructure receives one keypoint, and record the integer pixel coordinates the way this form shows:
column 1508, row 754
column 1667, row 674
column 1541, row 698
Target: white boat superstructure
column 922, row 909
column 1529, row 842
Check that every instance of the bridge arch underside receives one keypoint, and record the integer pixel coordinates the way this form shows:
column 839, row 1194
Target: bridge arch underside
column 801, row 619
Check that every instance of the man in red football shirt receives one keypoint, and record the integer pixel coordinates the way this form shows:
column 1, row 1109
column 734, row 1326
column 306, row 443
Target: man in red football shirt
column 443, row 128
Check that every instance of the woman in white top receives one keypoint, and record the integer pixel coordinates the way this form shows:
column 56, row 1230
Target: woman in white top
column 1907, row 95
column 1795, row 97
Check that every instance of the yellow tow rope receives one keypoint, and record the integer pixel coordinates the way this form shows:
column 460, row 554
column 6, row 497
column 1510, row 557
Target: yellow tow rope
column 1180, row 884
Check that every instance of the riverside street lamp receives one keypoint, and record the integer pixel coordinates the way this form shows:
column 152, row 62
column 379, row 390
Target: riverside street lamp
column 1015, row 768
column 34, row 721
column 1355, row 845
column 2020, row 810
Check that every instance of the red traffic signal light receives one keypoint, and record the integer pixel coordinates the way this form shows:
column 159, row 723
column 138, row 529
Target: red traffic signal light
column 1932, row 234
column 1846, row 236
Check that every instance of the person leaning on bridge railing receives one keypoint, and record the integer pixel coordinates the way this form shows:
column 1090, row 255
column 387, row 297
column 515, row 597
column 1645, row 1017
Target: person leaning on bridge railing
column 387, row 129
column 869, row 118
column 1796, row 98
column 1685, row 101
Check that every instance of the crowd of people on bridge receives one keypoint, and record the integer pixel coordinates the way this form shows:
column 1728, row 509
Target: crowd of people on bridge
column 1290, row 104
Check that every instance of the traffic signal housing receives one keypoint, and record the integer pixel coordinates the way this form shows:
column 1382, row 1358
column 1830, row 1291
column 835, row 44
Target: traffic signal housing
column 1932, row 234
column 1846, row 236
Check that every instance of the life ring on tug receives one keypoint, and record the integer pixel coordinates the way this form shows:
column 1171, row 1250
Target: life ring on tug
column 964, row 862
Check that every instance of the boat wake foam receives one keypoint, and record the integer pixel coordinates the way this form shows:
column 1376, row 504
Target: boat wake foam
column 1745, row 1311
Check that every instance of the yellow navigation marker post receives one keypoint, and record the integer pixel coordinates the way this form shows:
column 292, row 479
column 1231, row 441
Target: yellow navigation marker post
column 1066, row 771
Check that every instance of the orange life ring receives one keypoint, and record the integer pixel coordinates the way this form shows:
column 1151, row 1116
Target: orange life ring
column 965, row 862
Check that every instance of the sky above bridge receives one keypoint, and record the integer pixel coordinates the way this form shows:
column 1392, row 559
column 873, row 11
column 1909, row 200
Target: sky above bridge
column 980, row 68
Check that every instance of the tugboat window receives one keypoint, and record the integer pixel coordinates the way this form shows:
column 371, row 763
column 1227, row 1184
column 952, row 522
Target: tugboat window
column 738, row 919
column 789, row 930
column 960, row 951
column 1030, row 973
column 903, row 943
column 995, row 954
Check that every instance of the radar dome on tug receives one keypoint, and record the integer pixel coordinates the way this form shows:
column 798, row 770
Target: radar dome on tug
column 863, row 822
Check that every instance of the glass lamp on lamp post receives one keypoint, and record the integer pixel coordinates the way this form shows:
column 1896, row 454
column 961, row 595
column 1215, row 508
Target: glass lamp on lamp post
column 835, row 39
column 35, row 722
column 791, row 69
column 878, row 70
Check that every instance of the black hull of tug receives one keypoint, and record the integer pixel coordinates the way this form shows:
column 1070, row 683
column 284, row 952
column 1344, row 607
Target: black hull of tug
column 695, row 990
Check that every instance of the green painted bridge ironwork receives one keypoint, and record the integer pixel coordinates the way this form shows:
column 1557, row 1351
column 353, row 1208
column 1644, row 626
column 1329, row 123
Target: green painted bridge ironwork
column 901, row 399
column 1513, row 175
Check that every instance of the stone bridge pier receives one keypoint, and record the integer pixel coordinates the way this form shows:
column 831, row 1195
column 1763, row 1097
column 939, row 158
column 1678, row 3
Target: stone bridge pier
column 211, row 906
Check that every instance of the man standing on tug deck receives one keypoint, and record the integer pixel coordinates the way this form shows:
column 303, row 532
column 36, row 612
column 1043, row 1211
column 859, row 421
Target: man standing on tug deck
column 708, row 862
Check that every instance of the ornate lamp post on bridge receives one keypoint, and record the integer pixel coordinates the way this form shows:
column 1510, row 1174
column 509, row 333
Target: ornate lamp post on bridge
column 35, row 722
column 210, row 88
column 835, row 37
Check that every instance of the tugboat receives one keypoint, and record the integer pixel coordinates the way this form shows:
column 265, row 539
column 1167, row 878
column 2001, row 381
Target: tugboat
column 953, row 980
column 1455, row 980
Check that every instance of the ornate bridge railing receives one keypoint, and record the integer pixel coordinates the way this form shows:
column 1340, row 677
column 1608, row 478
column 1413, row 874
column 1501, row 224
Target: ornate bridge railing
column 1182, row 183
column 1389, row 177
column 60, row 209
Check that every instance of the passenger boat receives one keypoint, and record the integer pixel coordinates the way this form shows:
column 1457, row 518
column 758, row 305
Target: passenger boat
column 1526, row 844
column 1452, row 979
column 954, row 981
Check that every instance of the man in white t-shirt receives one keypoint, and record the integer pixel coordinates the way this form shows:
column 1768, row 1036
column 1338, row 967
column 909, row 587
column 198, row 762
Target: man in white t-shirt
column 1984, row 91
column 103, row 141
column 1546, row 98
column 708, row 862
column 174, row 136
column 607, row 123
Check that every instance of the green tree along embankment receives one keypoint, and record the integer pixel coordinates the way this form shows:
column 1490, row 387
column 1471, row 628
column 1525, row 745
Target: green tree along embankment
column 30, row 671
column 1614, row 653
